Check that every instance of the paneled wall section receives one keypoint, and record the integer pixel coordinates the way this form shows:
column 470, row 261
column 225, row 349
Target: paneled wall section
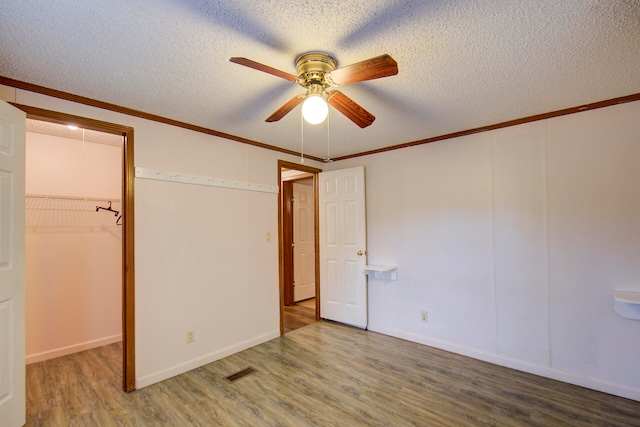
column 513, row 240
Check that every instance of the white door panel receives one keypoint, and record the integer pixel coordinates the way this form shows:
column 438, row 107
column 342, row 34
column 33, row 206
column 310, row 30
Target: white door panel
column 12, row 342
column 343, row 243
column 304, row 254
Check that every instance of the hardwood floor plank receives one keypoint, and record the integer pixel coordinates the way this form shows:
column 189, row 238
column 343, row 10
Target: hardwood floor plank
column 98, row 417
column 324, row 374
column 299, row 315
column 56, row 416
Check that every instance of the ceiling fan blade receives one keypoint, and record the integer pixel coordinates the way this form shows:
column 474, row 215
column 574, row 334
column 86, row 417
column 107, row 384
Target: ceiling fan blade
column 374, row 68
column 264, row 68
column 286, row 108
column 349, row 108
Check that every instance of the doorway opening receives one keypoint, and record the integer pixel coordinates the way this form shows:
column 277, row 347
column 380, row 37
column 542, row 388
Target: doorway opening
column 298, row 246
column 123, row 220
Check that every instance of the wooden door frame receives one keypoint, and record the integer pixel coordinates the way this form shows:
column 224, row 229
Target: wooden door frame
column 128, row 271
column 281, row 255
column 287, row 240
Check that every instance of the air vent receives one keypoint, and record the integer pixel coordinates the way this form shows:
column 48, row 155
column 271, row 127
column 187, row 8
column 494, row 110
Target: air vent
column 240, row 374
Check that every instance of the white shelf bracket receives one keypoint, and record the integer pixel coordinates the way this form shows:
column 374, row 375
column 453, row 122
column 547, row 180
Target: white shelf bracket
column 627, row 304
column 385, row 272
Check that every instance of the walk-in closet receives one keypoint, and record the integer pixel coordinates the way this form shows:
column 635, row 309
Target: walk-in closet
column 73, row 240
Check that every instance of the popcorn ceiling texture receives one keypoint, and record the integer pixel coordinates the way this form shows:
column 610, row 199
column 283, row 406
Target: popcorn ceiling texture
column 463, row 63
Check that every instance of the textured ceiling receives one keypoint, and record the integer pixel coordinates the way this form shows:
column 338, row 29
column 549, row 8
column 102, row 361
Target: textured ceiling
column 462, row 63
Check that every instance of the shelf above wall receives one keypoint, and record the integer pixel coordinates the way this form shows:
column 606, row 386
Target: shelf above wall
column 627, row 304
column 388, row 272
column 627, row 297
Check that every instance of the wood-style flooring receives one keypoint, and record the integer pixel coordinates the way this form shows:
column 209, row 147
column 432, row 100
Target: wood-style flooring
column 324, row 374
column 299, row 314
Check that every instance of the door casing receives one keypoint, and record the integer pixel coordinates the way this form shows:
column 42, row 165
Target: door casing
column 286, row 188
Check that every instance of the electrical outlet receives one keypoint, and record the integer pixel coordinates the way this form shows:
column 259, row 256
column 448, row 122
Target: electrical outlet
column 424, row 316
column 268, row 236
column 190, row 336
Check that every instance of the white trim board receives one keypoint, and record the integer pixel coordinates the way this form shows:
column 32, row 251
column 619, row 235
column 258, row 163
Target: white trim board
column 160, row 175
column 75, row 348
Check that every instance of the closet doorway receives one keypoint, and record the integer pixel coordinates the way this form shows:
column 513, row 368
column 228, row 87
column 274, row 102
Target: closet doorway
column 298, row 224
column 79, row 238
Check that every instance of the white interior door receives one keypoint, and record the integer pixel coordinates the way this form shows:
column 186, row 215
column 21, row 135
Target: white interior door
column 304, row 258
column 12, row 347
column 343, row 245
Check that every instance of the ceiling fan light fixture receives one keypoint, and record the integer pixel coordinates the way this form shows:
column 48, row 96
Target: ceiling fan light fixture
column 317, row 72
column 315, row 109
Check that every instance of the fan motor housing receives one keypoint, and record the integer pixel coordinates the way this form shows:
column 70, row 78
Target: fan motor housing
column 312, row 66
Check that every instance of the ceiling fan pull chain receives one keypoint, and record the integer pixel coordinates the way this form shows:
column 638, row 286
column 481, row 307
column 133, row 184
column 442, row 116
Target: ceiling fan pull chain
column 301, row 139
column 328, row 154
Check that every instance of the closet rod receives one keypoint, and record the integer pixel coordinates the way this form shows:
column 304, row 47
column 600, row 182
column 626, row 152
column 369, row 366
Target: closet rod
column 60, row 197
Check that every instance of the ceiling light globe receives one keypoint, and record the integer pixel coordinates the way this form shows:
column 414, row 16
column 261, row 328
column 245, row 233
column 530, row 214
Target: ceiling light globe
column 315, row 109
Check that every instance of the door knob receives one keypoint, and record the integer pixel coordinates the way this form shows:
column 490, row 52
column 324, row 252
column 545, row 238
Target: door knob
column 360, row 252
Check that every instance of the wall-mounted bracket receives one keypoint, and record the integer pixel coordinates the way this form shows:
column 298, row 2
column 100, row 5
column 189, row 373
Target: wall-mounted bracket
column 627, row 304
column 387, row 272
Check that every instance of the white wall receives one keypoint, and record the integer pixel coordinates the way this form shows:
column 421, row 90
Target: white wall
column 73, row 253
column 202, row 259
column 512, row 240
column 201, row 256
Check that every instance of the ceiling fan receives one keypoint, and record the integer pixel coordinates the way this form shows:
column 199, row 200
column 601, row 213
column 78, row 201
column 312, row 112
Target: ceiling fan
column 316, row 73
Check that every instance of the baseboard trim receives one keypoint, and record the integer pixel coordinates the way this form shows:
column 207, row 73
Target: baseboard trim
column 543, row 371
column 75, row 348
column 189, row 365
